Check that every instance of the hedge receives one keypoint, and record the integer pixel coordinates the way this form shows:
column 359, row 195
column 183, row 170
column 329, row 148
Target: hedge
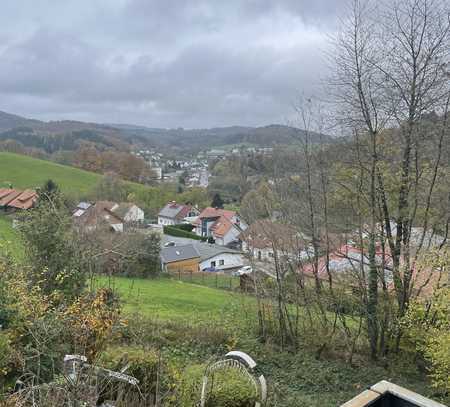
column 174, row 231
column 184, row 226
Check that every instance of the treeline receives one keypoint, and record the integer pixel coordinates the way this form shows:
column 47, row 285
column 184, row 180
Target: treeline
column 371, row 212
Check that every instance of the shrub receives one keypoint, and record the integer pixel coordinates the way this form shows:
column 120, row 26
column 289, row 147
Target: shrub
column 427, row 327
column 230, row 389
column 93, row 320
column 184, row 226
column 173, row 231
column 143, row 364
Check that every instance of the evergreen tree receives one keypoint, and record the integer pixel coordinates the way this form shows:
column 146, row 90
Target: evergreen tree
column 217, row 201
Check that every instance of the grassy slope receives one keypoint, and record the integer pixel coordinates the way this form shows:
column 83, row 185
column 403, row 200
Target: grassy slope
column 294, row 379
column 27, row 172
column 8, row 238
column 171, row 299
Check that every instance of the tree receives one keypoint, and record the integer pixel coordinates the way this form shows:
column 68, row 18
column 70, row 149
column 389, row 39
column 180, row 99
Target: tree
column 389, row 74
column 49, row 189
column 217, row 201
column 52, row 252
column 110, row 188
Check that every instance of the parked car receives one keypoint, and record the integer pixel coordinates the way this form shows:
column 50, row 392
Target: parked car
column 243, row 270
column 169, row 244
column 210, row 269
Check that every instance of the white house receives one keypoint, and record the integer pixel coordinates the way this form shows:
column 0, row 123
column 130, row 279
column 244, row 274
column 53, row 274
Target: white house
column 222, row 225
column 129, row 212
column 91, row 216
column 263, row 238
column 213, row 256
column 174, row 213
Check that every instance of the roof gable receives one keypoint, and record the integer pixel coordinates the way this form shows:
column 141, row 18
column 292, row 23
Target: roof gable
column 178, row 253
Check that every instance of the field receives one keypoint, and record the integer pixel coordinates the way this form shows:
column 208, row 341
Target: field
column 8, row 237
column 27, row 172
column 171, row 299
column 295, row 379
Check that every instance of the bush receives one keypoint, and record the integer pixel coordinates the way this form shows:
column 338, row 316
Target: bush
column 174, row 231
column 230, row 389
column 185, row 226
column 143, row 364
column 427, row 328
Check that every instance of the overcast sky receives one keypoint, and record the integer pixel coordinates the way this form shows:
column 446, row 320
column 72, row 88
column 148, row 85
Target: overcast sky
column 162, row 63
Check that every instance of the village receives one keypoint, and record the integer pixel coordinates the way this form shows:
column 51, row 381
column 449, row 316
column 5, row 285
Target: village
column 225, row 204
column 218, row 241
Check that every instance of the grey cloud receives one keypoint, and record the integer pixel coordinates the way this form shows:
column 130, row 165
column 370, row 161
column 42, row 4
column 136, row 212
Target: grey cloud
column 163, row 63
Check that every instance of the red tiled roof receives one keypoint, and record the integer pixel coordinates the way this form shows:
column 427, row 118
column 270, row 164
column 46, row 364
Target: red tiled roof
column 184, row 212
column 25, row 200
column 423, row 280
column 215, row 212
column 18, row 199
column 221, row 226
column 264, row 234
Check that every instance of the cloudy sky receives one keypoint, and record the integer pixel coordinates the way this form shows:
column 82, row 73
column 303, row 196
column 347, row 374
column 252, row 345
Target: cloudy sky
column 162, row 63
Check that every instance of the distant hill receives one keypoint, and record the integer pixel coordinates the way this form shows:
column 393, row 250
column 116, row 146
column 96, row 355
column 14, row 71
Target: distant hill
column 10, row 121
column 68, row 134
column 60, row 135
column 200, row 139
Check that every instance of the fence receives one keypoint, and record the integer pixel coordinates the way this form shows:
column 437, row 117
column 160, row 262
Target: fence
column 208, row 279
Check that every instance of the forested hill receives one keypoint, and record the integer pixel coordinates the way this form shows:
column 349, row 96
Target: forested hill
column 68, row 135
column 223, row 136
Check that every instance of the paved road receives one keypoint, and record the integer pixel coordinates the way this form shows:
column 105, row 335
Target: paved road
column 203, row 179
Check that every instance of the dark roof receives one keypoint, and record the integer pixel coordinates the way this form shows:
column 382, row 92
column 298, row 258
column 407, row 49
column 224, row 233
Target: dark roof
column 178, row 253
column 100, row 212
column 207, row 250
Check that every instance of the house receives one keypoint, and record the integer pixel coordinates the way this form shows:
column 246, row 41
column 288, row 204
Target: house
column 15, row 199
column 219, row 258
column 174, row 213
column 222, row 225
column 100, row 214
column 112, row 214
column 347, row 262
column 212, row 256
column 180, row 258
column 264, row 237
column 129, row 212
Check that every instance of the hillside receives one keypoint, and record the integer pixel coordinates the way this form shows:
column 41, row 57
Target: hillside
column 67, row 135
column 27, row 172
column 201, row 139
column 60, row 135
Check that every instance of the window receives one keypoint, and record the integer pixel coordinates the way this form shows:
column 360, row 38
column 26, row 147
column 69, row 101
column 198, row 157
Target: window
column 221, row 262
column 259, row 254
column 213, row 264
column 270, row 254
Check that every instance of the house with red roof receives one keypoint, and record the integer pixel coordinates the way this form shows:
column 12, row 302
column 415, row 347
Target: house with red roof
column 264, row 239
column 349, row 263
column 15, row 199
column 175, row 213
column 224, row 226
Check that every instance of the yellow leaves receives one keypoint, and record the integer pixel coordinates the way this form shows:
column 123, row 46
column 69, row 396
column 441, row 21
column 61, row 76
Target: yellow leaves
column 93, row 318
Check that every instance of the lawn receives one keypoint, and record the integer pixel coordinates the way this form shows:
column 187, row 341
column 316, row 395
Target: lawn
column 27, row 172
column 294, row 378
column 171, row 299
column 8, row 237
